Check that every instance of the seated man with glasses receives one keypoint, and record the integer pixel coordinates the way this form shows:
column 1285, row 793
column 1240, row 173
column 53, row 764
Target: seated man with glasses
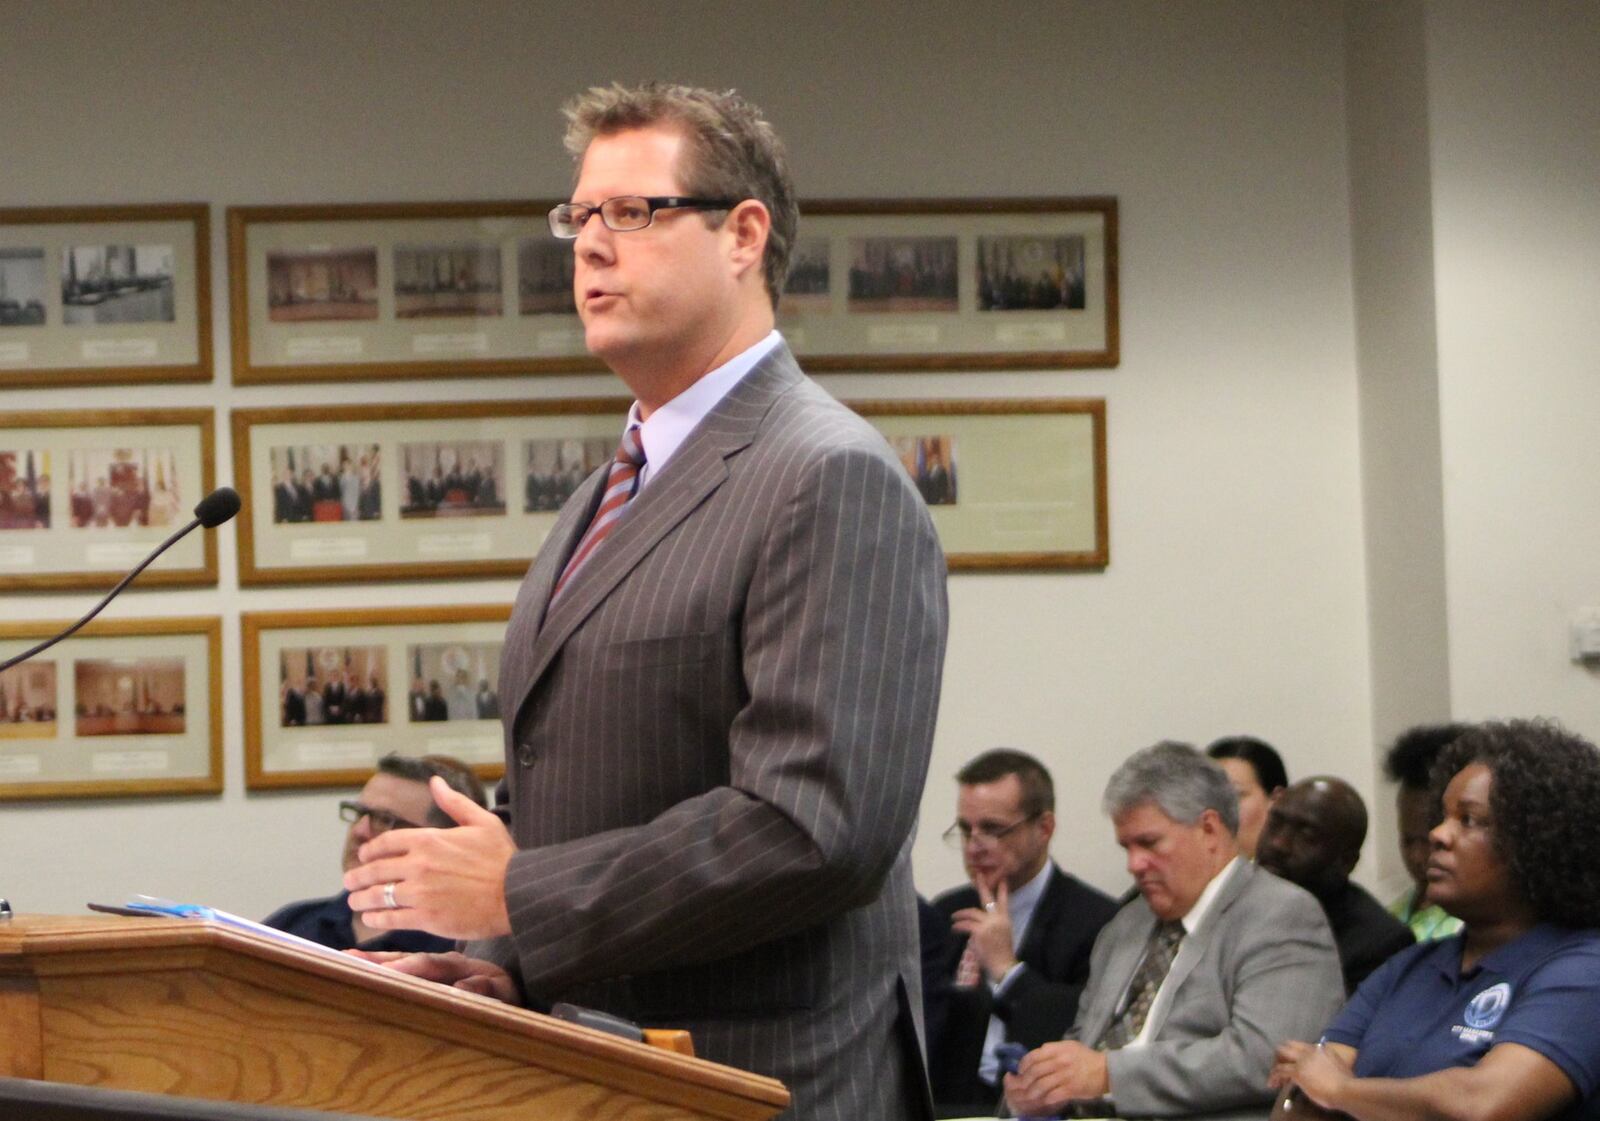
column 396, row 797
column 1023, row 930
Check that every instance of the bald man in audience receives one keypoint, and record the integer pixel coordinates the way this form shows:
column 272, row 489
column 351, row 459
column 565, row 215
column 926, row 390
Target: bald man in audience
column 1313, row 838
column 1193, row 984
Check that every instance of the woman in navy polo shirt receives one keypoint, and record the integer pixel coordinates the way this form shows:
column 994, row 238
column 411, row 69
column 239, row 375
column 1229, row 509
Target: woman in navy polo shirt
column 1496, row 1023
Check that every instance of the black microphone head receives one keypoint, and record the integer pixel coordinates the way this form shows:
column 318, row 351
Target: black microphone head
column 217, row 507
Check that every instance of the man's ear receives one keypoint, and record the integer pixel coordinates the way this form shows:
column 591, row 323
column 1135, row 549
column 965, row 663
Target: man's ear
column 749, row 224
column 1210, row 821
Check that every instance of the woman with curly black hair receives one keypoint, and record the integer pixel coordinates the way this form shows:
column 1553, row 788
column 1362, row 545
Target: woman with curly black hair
column 1496, row 1022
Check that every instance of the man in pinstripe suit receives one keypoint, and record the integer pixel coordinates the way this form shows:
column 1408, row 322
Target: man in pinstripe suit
column 718, row 716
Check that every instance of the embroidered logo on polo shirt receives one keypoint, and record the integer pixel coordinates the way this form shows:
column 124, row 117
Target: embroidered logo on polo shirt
column 1489, row 1006
column 1484, row 1013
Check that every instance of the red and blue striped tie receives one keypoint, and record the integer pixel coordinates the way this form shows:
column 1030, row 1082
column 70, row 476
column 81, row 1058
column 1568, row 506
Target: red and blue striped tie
column 621, row 485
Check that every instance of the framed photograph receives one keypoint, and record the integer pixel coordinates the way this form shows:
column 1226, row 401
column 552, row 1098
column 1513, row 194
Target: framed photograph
column 86, row 495
column 1010, row 484
column 888, row 284
column 402, row 492
column 400, row 290
column 105, row 295
column 123, row 707
column 327, row 693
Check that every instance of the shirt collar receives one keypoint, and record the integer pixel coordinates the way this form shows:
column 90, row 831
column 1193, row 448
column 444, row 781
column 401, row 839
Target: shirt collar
column 1202, row 906
column 1500, row 960
column 1027, row 897
column 669, row 426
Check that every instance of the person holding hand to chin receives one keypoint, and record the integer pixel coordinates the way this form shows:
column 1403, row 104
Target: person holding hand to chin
column 1494, row 1023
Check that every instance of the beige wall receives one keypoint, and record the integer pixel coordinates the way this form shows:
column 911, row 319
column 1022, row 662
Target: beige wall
column 1238, row 595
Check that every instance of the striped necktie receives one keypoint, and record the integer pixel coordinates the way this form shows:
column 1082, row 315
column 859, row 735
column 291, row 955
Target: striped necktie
column 621, row 485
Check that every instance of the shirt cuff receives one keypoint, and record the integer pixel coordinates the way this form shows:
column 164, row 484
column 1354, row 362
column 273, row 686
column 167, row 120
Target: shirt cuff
column 1000, row 986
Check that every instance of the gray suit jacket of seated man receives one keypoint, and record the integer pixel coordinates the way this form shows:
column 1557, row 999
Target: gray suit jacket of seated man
column 1261, row 969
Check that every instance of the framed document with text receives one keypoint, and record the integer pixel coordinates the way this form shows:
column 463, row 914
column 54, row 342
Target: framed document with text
column 1011, row 483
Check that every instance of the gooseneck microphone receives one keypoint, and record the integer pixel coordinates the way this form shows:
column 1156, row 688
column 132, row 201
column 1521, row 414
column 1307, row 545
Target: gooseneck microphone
column 212, row 510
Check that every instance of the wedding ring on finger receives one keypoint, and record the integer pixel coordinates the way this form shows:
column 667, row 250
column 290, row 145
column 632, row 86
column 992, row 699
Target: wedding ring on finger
column 389, row 900
column 989, row 906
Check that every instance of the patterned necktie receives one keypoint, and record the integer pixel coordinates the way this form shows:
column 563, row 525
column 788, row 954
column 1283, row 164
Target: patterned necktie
column 621, row 485
column 1157, row 963
column 969, row 971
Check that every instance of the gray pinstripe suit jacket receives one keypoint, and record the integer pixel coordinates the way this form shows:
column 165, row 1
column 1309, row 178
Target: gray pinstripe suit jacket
column 716, row 743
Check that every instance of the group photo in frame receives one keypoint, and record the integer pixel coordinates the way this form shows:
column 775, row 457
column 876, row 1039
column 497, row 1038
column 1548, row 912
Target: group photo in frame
column 105, row 295
column 400, row 290
column 87, row 494
column 477, row 289
column 124, row 707
column 328, row 693
column 396, row 492
column 1011, row 484
column 925, row 284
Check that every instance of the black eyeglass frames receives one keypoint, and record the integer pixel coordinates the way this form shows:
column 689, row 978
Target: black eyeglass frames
column 626, row 212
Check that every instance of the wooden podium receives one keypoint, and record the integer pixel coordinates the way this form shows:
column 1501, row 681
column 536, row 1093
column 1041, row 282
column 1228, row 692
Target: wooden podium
column 179, row 1006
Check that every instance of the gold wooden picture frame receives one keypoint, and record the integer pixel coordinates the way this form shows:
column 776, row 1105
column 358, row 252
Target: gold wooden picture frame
column 1011, row 484
column 127, row 707
column 456, row 490
column 954, row 284
column 327, row 693
column 87, row 494
column 400, row 290
column 482, row 289
column 105, row 295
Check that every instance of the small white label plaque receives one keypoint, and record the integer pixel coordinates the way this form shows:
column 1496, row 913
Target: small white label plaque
column 16, row 556
column 454, row 544
column 356, row 753
column 19, row 766
column 904, row 334
column 328, row 548
column 120, row 350
column 468, row 342
column 486, row 748
column 559, row 341
column 129, row 762
column 1030, row 334
column 14, row 354
column 320, row 348
column 116, row 552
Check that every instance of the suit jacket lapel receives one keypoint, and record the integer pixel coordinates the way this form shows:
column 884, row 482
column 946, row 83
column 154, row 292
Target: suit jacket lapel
column 1125, row 958
column 696, row 470
column 1043, row 917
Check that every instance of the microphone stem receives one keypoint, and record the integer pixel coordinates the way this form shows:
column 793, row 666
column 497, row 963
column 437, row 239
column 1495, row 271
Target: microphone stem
column 99, row 607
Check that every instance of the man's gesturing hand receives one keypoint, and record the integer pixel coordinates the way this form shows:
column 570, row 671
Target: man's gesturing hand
column 449, row 882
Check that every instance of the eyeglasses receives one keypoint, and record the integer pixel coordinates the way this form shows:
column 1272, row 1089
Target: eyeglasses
column 960, row 833
column 626, row 212
column 382, row 820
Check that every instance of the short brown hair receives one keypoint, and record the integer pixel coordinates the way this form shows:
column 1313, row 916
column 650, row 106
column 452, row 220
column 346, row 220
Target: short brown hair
column 732, row 151
column 1038, row 791
column 456, row 774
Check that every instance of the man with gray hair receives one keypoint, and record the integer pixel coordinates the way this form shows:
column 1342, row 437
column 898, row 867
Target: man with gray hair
column 1192, row 985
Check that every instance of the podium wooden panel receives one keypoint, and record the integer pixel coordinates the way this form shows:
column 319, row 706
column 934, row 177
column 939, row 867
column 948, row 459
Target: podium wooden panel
column 177, row 1006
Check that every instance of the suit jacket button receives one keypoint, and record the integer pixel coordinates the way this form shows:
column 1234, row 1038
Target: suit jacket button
column 525, row 753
